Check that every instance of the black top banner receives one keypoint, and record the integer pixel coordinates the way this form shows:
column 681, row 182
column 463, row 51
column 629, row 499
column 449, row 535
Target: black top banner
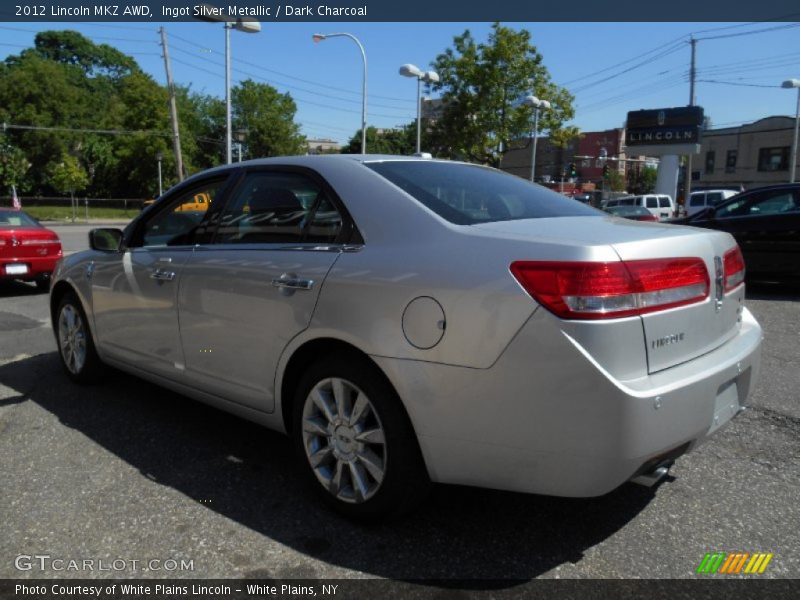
column 408, row 11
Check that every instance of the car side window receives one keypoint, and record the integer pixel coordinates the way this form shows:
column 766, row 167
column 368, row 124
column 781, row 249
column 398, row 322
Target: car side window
column 714, row 199
column 274, row 207
column 664, row 202
column 767, row 203
column 697, row 200
column 184, row 218
column 652, row 202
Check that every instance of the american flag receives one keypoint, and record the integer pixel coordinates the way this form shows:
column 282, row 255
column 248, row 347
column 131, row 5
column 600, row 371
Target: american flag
column 15, row 203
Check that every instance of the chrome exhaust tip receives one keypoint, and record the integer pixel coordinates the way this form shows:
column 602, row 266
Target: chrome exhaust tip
column 654, row 475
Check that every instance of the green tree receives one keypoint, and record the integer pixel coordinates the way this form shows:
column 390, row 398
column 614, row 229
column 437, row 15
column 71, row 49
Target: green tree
column 70, row 47
column 642, row 180
column 385, row 141
column 481, row 85
column 69, row 176
column 202, row 125
column 13, row 165
column 268, row 117
column 615, row 180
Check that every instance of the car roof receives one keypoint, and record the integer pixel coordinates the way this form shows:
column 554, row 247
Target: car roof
column 315, row 160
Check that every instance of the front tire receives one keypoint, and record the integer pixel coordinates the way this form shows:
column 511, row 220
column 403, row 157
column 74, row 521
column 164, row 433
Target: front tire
column 355, row 441
column 75, row 346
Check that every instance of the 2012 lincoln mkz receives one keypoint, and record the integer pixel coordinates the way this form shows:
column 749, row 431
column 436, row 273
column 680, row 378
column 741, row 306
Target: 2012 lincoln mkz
column 408, row 320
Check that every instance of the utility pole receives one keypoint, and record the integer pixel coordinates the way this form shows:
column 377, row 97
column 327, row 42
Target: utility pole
column 173, row 109
column 687, row 183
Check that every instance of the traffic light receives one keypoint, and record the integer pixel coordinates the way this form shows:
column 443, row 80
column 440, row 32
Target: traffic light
column 573, row 172
column 605, row 171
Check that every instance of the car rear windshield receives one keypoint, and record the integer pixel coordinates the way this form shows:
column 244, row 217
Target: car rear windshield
column 13, row 218
column 469, row 194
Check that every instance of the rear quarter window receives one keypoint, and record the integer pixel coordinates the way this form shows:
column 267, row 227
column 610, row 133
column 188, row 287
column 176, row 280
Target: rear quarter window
column 469, row 194
column 696, row 200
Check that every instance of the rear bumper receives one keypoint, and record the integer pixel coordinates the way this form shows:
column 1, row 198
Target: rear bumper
column 545, row 418
column 34, row 266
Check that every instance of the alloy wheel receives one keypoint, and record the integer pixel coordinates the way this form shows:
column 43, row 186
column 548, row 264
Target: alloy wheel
column 344, row 440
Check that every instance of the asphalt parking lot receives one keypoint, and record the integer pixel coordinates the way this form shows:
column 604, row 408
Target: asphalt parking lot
column 126, row 470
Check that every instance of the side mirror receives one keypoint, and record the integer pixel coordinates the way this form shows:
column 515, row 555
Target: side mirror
column 105, row 240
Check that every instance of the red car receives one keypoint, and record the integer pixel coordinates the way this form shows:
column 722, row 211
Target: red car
column 28, row 251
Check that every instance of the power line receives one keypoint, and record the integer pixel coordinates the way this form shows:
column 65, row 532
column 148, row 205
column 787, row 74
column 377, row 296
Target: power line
column 295, row 98
column 737, row 83
column 87, row 130
column 753, row 32
column 287, row 75
column 286, row 85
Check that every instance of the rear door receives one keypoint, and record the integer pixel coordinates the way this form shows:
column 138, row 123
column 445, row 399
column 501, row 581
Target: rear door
column 247, row 294
column 666, row 209
column 651, row 204
column 697, row 202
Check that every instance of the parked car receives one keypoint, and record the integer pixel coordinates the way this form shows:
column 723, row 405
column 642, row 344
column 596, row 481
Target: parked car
column 662, row 206
column 28, row 251
column 702, row 199
column 635, row 213
column 766, row 224
column 421, row 320
column 197, row 203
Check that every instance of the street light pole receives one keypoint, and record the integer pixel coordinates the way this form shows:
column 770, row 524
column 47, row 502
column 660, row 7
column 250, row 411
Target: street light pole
column 788, row 84
column 537, row 105
column 228, row 156
column 318, row 37
column 245, row 25
column 159, row 158
column 410, row 70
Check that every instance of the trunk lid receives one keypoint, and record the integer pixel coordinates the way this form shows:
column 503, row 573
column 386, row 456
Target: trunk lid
column 25, row 243
column 671, row 336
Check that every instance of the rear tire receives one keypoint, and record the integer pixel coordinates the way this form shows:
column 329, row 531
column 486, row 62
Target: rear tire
column 355, row 441
column 75, row 345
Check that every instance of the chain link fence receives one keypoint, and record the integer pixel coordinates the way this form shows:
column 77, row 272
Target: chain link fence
column 61, row 208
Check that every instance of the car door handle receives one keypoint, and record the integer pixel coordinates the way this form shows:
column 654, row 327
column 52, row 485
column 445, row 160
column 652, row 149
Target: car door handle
column 292, row 284
column 162, row 275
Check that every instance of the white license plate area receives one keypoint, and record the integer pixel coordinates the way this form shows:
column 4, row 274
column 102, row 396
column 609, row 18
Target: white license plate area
column 726, row 405
column 16, row 269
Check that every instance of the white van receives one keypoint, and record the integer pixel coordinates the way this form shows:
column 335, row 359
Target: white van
column 701, row 200
column 659, row 205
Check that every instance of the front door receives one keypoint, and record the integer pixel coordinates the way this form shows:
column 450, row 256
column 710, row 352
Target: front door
column 134, row 293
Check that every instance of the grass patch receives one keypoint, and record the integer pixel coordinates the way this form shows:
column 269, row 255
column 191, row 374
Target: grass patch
column 64, row 213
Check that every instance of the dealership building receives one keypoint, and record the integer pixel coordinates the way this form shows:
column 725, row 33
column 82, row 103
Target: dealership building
column 753, row 154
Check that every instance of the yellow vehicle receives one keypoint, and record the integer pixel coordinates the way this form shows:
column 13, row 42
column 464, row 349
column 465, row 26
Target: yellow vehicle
column 198, row 203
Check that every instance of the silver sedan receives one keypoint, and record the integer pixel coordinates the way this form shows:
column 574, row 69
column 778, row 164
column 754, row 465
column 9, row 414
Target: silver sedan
column 409, row 321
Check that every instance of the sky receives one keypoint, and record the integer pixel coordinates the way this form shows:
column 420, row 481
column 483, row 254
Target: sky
column 611, row 68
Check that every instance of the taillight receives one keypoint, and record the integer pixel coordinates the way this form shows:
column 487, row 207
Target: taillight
column 733, row 263
column 600, row 290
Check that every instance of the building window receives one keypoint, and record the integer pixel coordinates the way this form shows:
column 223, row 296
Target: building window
column 773, row 159
column 710, row 161
column 730, row 161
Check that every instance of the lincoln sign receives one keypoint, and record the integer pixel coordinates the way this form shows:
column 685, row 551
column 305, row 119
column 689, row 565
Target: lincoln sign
column 665, row 130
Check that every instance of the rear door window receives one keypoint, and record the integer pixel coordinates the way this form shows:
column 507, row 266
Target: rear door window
column 697, row 200
column 652, row 202
column 271, row 207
